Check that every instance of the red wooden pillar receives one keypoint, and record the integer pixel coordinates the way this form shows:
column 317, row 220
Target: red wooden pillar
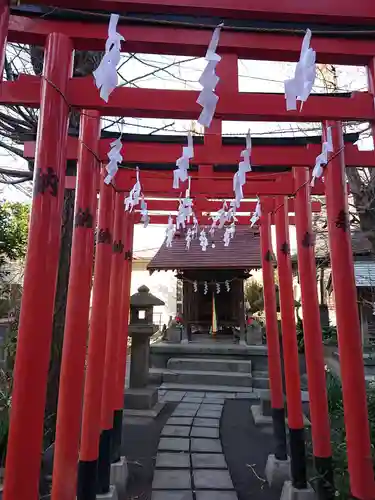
column 371, row 88
column 68, row 427
column 312, row 331
column 122, row 347
column 4, row 22
column 88, row 458
column 273, row 343
column 35, row 330
column 110, row 367
column 290, row 349
column 349, row 335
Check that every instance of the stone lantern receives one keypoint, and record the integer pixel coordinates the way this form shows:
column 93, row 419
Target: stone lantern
column 140, row 396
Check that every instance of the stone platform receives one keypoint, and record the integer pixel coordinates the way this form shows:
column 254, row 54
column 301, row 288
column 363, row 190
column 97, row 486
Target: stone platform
column 161, row 352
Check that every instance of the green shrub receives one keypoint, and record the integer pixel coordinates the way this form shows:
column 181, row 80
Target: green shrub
column 329, row 335
column 5, row 405
column 338, row 437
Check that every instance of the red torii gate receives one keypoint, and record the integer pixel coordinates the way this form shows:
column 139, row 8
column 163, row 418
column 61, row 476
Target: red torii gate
column 55, row 92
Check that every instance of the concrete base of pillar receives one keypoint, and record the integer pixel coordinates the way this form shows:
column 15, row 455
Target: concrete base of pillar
column 289, row 492
column 261, row 419
column 111, row 495
column 277, row 471
column 119, row 475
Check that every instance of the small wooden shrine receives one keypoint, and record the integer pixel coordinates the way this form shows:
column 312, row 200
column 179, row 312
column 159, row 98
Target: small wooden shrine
column 212, row 280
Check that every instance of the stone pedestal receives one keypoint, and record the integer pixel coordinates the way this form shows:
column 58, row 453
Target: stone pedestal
column 184, row 336
column 140, row 396
column 111, row 495
column 254, row 334
column 140, row 354
column 289, row 492
column 277, row 471
column 173, row 334
column 119, row 476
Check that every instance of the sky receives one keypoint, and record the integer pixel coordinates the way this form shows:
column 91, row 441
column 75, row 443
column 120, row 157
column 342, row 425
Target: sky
column 254, row 76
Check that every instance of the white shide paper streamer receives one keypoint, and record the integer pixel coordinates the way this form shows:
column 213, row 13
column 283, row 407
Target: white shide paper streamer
column 181, row 172
column 244, row 166
column 229, row 234
column 256, row 215
column 105, row 75
column 145, row 218
column 203, row 241
column 300, row 86
column 133, row 199
column 322, row 159
column 170, row 231
column 114, row 157
column 209, row 80
column 185, row 209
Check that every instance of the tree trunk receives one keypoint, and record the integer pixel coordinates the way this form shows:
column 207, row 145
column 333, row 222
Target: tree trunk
column 59, row 318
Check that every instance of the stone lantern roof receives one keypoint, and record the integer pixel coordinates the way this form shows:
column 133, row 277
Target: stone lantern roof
column 143, row 298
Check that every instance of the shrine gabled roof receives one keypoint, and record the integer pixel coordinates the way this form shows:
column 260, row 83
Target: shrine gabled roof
column 243, row 252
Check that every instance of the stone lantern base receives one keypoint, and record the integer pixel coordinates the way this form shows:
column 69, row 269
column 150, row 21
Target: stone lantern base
column 142, row 403
column 140, row 399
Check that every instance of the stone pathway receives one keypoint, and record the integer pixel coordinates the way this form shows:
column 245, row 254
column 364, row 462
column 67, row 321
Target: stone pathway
column 190, row 464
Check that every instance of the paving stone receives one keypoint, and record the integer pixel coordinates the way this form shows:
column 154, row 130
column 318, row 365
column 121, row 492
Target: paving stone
column 171, row 479
column 173, row 444
column 204, row 432
column 180, row 421
column 188, row 406
column 213, row 495
column 211, row 407
column 181, row 412
column 218, row 401
column 175, row 495
column 194, row 394
column 171, row 396
column 175, row 430
column 173, row 461
column 209, row 413
column 209, row 479
column 206, row 422
column 201, row 445
column 190, row 399
column 208, row 461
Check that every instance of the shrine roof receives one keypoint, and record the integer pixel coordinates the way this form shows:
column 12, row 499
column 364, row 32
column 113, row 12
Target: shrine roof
column 243, row 252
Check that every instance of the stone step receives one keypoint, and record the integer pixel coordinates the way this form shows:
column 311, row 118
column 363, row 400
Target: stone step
column 224, row 389
column 208, row 378
column 210, row 364
column 261, row 380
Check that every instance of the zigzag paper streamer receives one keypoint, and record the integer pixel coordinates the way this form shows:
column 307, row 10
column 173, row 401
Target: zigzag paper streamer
column 300, row 86
column 181, row 173
column 229, row 234
column 106, row 78
column 322, row 159
column 145, row 218
column 239, row 179
column 203, row 240
column 170, row 231
column 133, row 199
column 114, row 157
column 256, row 215
column 209, row 80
